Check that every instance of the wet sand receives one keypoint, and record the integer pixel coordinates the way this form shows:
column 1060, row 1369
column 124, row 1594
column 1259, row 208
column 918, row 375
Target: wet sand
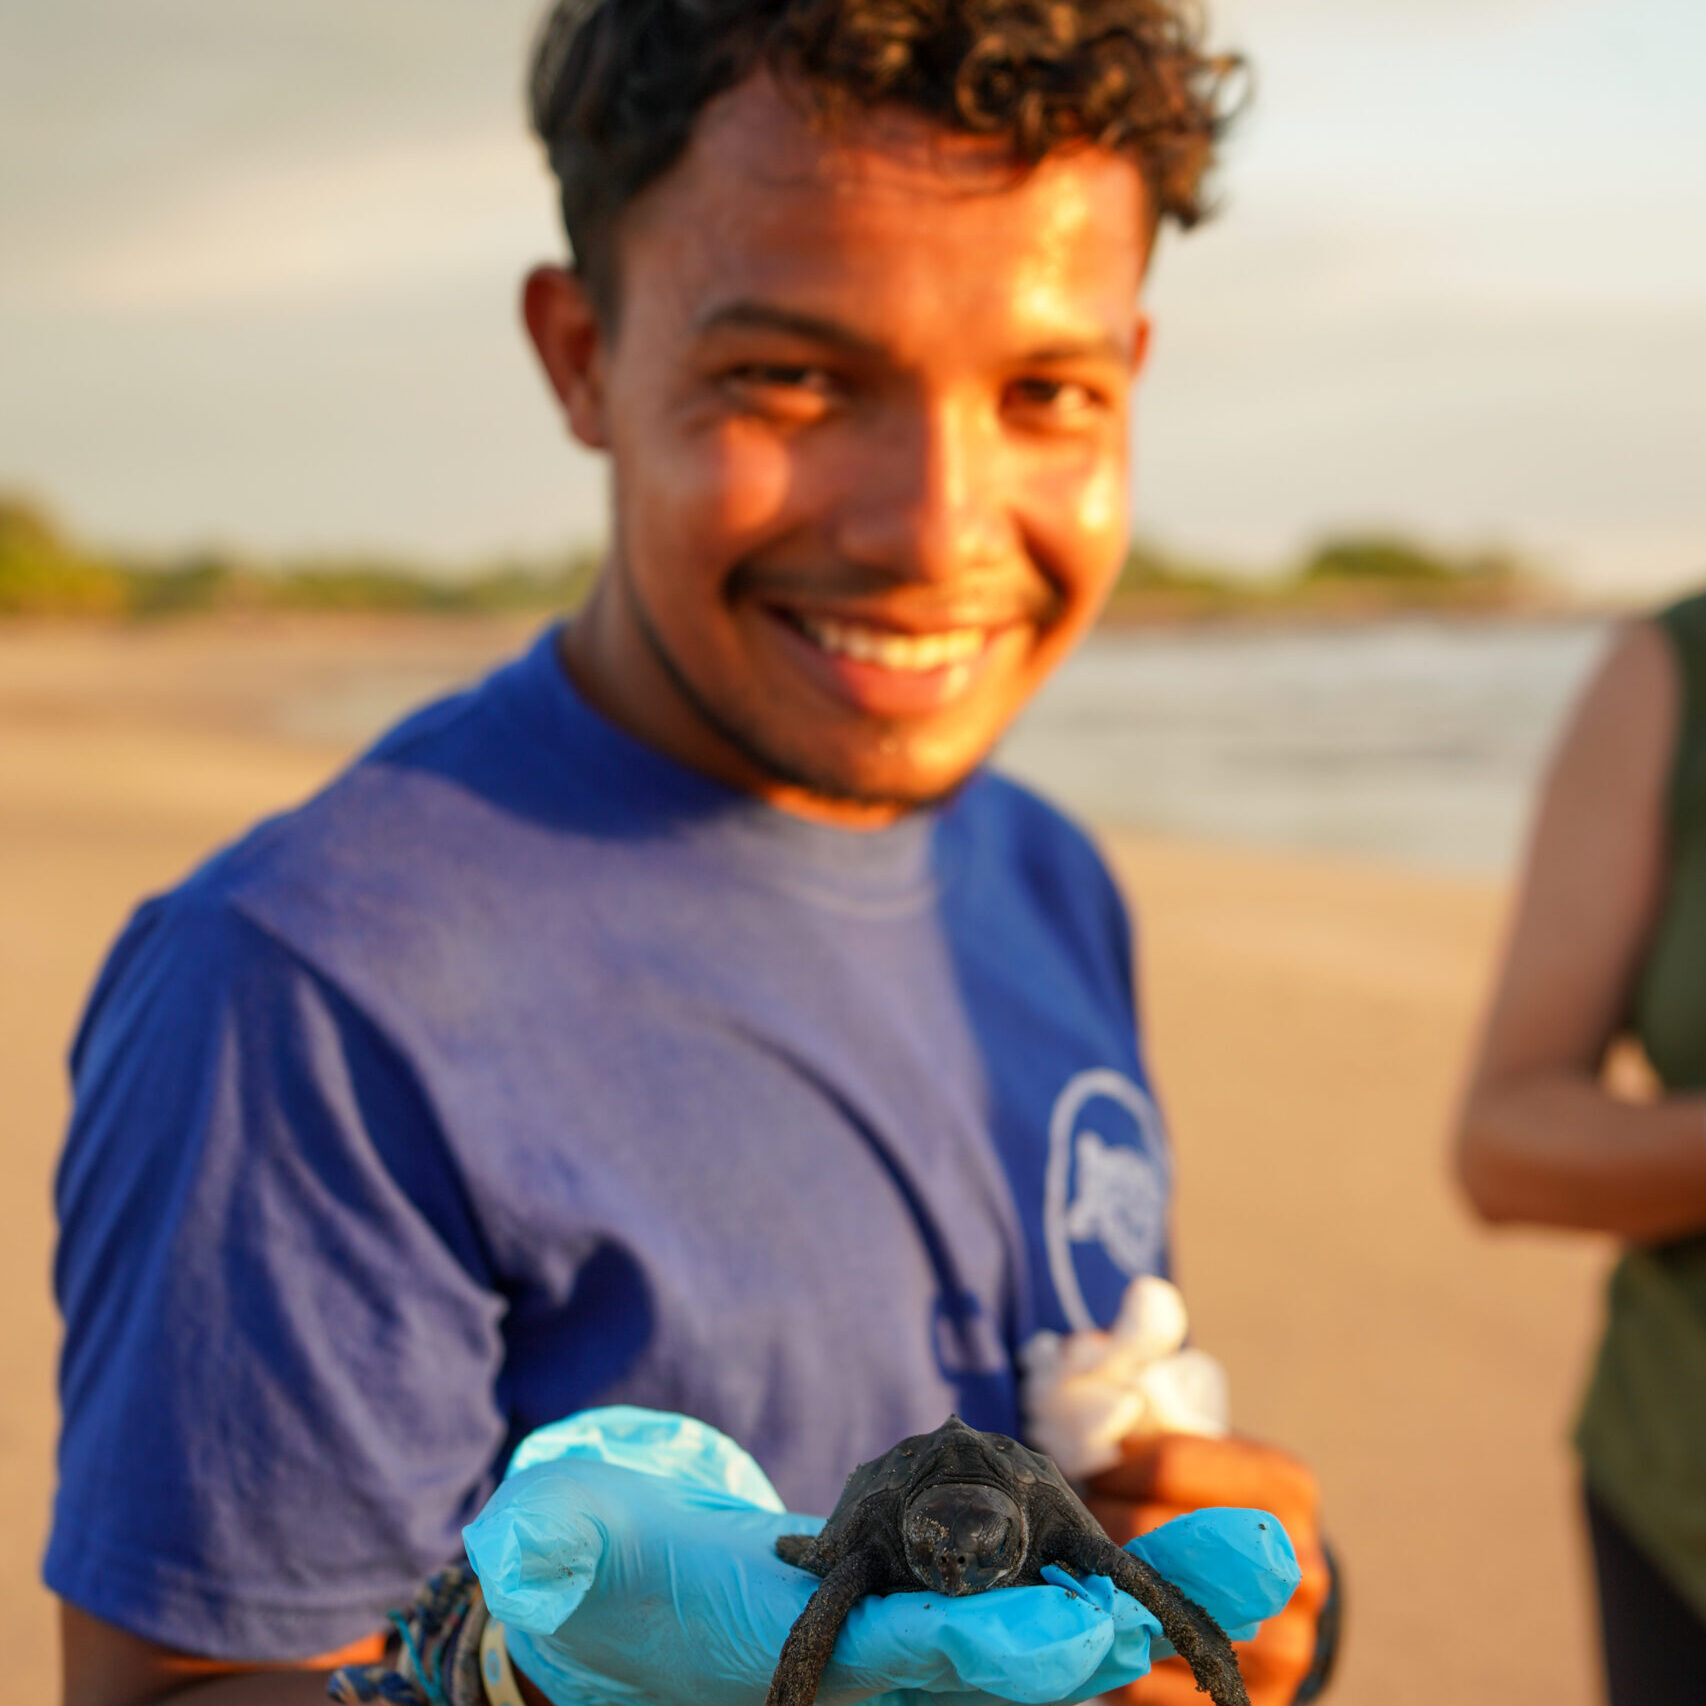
column 1307, row 1020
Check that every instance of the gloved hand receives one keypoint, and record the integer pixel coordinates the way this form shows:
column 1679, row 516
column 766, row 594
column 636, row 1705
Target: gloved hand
column 618, row 1586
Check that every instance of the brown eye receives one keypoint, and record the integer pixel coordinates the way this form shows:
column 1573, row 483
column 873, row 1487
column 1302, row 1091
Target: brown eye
column 785, row 391
column 773, row 373
column 1057, row 400
column 780, row 377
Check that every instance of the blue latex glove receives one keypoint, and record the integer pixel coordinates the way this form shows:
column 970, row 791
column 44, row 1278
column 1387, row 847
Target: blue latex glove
column 619, row 1586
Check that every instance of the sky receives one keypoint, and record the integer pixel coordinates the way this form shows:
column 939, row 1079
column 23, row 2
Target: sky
column 259, row 269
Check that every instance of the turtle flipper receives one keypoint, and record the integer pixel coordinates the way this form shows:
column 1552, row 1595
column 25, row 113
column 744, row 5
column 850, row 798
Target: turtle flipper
column 796, row 1549
column 1196, row 1637
column 812, row 1639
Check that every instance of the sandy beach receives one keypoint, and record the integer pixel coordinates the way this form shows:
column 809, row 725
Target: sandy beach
column 1307, row 1018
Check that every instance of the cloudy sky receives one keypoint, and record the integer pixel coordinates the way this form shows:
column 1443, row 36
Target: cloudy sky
column 258, row 268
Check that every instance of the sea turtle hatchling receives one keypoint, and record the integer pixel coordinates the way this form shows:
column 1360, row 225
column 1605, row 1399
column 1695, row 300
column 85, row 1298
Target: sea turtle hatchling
column 955, row 1512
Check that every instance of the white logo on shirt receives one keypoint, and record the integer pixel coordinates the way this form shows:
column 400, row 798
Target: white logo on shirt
column 1101, row 1192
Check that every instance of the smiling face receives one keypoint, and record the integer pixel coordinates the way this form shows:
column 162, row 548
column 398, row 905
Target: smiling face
column 866, row 404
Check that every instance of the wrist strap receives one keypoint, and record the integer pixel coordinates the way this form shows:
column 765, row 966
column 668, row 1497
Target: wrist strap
column 495, row 1669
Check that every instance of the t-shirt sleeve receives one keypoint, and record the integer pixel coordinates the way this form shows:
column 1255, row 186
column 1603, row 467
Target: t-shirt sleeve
column 1083, row 896
column 1115, row 931
column 281, row 1351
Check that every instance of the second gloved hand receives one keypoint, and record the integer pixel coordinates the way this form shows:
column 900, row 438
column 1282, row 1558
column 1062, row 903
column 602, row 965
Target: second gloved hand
column 619, row 1586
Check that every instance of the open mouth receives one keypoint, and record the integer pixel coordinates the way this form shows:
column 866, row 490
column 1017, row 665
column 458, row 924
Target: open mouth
column 881, row 670
column 887, row 648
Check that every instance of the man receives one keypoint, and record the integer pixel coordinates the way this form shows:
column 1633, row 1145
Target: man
column 681, row 1017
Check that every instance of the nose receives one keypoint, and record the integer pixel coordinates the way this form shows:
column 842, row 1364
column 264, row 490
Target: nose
column 964, row 1539
column 932, row 500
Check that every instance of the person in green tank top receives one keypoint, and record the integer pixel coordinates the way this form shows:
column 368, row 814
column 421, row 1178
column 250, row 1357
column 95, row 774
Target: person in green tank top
column 1610, row 941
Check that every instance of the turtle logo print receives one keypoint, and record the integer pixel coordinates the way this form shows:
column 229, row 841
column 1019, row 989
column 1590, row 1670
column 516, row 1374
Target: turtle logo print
column 1105, row 1195
column 1118, row 1204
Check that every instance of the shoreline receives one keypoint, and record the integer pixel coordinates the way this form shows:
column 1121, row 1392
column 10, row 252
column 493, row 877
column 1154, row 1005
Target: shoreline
column 1233, row 606
column 1350, row 614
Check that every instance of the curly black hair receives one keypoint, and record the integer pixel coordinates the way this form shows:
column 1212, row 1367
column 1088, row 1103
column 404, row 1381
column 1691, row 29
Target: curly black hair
column 617, row 85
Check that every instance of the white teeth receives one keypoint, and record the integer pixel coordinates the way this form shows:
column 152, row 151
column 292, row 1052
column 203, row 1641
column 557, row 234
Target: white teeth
column 914, row 653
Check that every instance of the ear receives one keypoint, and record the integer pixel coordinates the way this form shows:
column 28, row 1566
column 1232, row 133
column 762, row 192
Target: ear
column 565, row 330
column 1141, row 329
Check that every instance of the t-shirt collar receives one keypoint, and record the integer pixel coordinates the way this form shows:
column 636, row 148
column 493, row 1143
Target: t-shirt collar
column 891, row 866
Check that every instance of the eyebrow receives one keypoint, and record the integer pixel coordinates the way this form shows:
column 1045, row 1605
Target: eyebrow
column 767, row 317
column 1105, row 347
column 764, row 317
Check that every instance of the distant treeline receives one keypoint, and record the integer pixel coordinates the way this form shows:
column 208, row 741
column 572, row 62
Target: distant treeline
column 1354, row 574
column 44, row 571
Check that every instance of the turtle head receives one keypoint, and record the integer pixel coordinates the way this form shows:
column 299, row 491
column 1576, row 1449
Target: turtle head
column 963, row 1537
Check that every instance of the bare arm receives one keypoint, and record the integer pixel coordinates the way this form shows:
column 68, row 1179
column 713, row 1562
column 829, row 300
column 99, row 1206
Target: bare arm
column 105, row 1666
column 1541, row 1140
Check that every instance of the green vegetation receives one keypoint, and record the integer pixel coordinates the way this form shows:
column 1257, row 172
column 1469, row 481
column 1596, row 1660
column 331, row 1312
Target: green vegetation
column 43, row 572
column 1380, row 560
column 1348, row 575
column 40, row 571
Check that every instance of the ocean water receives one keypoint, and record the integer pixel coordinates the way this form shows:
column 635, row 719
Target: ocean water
column 1419, row 741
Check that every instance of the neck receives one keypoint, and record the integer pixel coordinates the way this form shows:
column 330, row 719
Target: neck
column 619, row 673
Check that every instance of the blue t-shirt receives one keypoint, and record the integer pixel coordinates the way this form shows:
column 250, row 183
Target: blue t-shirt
column 524, row 1070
